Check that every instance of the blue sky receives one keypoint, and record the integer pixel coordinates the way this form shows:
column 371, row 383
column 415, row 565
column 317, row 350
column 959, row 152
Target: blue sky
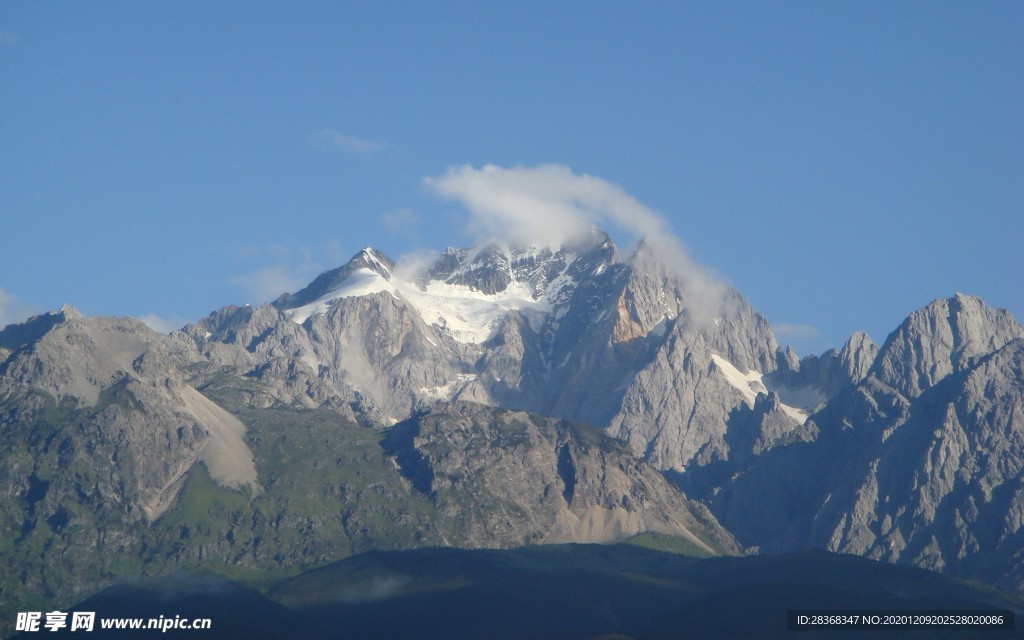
column 840, row 164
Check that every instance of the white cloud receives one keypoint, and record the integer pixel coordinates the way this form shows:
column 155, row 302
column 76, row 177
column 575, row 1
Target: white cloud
column 349, row 143
column 162, row 324
column 13, row 310
column 267, row 283
column 789, row 331
column 549, row 204
column 544, row 205
column 400, row 222
column 291, row 267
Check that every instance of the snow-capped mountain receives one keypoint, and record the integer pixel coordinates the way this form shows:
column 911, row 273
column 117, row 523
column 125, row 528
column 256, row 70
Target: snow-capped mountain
column 575, row 332
column 585, row 334
column 440, row 402
column 464, row 292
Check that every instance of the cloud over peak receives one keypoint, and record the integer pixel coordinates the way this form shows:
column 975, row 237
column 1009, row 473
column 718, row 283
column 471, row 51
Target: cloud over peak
column 544, row 205
column 549, row 204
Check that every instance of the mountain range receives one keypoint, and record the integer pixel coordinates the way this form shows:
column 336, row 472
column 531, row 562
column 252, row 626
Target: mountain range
column 496, row 397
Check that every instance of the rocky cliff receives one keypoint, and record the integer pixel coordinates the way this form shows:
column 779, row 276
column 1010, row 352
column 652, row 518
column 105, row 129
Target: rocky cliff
column 919, row 462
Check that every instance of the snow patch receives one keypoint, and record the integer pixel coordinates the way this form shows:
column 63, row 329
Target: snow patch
column 750, row 385
column 438, row 393
column 469, row 316
column 804, row 397
column 797, row 414
column 362, row 282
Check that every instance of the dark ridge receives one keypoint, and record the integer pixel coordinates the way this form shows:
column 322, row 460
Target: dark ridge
column 17, row 336
column 400, row 443
column 567, row 471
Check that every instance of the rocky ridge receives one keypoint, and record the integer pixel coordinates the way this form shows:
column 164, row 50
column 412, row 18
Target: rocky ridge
column 918, row 462
column 521, row 477
column 131, row 381
column 575, row 333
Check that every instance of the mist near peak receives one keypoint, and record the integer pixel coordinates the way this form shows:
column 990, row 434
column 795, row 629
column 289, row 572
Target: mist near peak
column 549, row 205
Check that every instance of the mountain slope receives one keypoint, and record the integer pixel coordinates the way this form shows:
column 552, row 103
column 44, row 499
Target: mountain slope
column 129, row 380
column 917, row 463
column 124, row 452
column 523, row 479
column 945, row 337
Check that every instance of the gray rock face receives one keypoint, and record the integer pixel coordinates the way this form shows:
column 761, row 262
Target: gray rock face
column 142, row 413
column 492, row 268
column 372, row 354
column 517, row 478
column 487, row 270
column 918, row 463
column 944, row 489
column 945, row 337
column 675, row 409
column 381, row 347
column 769, row 427
column 830, row 373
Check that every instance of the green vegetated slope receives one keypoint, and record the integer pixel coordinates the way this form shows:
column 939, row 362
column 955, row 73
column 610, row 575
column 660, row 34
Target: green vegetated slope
column 328, row 488
column 67, row 528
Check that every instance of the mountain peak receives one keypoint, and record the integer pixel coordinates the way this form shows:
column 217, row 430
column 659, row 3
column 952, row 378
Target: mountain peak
column 367, row 258
column 493, row 267
column 68, row 312
column 376, row 261
column 373, row 260
column 946, row 336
